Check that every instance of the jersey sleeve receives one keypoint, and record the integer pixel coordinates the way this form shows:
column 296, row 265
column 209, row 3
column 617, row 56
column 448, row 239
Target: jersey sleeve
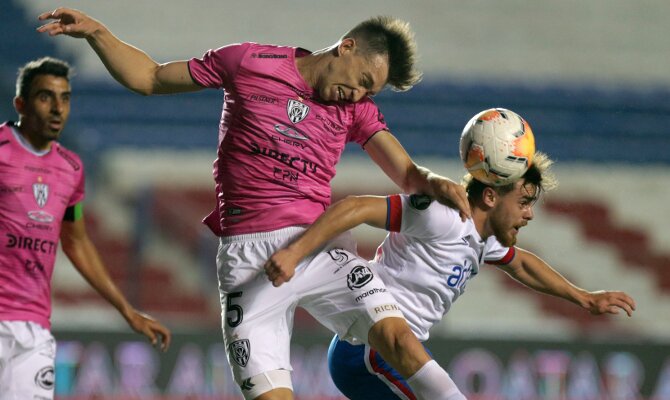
column 498, row 254
column 217, row 68
column 78, row 194
column 418, row 216
column 74, row 213
column 368, row 121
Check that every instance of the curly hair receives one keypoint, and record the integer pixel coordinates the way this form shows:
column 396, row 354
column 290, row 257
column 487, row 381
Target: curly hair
column 539, row 175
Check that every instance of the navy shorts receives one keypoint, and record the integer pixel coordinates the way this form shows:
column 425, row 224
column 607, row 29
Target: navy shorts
column 360, row 373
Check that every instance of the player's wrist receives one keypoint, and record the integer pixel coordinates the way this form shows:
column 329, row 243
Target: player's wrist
column 98, row 34
column 583, row 298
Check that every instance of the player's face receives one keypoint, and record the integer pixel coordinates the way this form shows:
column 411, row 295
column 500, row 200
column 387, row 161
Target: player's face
column 45, row 110
column 351, row 76
column 512, row 212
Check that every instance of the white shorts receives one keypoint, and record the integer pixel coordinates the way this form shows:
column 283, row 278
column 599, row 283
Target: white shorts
column 334, row 286
column 27, row 354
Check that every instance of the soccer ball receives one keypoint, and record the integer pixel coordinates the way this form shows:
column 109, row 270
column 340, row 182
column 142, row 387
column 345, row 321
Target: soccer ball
column 497, row 146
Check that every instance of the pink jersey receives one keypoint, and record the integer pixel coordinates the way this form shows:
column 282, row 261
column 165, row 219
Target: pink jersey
column 278, row 144
column 35, row 191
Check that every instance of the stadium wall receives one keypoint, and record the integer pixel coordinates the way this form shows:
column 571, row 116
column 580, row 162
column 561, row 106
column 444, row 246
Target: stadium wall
column 95, row 365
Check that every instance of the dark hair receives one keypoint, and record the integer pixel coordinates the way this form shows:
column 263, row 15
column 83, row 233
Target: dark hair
column 42, row 66
column 538, row 175
column 394, row 38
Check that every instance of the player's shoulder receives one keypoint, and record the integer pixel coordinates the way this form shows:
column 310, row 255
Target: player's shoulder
column 430, row 219
column 262, row 51
column 419, row 202
column 68, row 156
column 422, row 202
column 5, row 128
column 366, row 108
column 6, row 135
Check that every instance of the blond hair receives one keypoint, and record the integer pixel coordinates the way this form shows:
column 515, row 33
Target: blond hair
column 393, row 38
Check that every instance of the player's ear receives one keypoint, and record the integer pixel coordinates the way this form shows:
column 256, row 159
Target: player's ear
column 347, row 45
column 489, row 197
column 19, row 105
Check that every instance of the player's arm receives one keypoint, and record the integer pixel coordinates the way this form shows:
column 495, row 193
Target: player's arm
column 129, row 65
column 344, row 215
column 388, row 153
column 535, row 273
column 84, row 256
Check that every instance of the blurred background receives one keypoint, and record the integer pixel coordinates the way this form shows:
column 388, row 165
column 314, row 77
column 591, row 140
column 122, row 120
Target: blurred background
column 591, row 78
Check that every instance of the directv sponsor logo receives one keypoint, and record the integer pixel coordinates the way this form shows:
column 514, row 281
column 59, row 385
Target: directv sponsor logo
column 29, row 243
column 298, row 163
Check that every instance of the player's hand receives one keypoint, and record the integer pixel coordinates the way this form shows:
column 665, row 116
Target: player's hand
column 280, row 268
column 451, row 194
column 158, row 335
column 604, row 302
column 67, row 21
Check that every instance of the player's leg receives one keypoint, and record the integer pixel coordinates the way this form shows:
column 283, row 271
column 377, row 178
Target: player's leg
column 6, row 354
column 360, row 373
column 276, row 394
column 29, row 371
column 257, row 318
column 256, row 333
column 396, row 343
column 269, row 385
column 344, row 294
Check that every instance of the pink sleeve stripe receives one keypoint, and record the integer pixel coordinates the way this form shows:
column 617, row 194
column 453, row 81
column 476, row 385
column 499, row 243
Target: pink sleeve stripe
column 506, row 259
column 393, row 213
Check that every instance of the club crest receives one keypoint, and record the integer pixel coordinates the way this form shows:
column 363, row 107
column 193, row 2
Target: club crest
column 296, row 110
column 239, row 352
column 41, row 193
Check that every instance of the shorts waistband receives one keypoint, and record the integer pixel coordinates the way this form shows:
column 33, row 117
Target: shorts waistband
column 279, row 233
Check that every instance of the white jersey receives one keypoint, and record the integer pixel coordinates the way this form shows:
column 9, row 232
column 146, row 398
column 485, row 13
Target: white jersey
column 428, row 257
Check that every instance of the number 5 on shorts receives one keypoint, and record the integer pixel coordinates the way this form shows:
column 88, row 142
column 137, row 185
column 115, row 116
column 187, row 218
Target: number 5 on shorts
column 234, row 308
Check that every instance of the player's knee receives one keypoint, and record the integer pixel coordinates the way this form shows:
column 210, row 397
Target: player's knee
column 389, row 333
column 270, row 385
column 394, row 340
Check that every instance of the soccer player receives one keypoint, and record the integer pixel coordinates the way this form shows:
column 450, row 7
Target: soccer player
column 287, row 115
column 41, row 194
column 427, row 259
